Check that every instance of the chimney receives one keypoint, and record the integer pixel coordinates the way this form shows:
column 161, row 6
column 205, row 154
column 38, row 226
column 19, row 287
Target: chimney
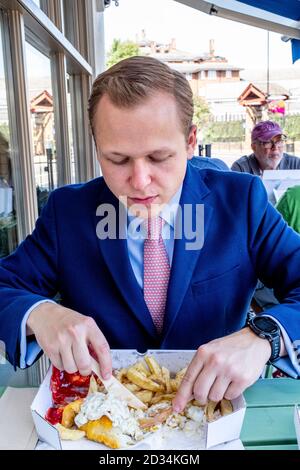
column 173, row 45
column 212, row 47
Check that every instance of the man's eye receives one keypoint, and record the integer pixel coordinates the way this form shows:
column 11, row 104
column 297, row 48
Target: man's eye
column 158, row 160
column 120, row 162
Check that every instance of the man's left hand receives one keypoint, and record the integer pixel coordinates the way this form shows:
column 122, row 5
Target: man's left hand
column 223, row 368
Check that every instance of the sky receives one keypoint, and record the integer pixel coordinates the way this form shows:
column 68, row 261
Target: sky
column 242, row 45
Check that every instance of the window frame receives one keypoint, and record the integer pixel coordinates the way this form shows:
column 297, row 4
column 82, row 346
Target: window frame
column 23, row 20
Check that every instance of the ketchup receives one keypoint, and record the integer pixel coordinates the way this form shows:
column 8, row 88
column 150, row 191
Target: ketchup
column 65, row 388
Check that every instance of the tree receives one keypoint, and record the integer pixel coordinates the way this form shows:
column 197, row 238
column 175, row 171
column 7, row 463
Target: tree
column 201, row 112
column 121, row 50
column 290, row 125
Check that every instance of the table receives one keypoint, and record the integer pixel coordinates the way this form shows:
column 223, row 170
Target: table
column 269, row 419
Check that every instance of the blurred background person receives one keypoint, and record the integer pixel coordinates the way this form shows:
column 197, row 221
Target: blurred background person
column 267, row 143
column 289, row 207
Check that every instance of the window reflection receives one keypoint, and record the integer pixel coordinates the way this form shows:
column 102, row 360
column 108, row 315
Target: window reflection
column 42, row 123
column 37, row 2
column 70, row 131
column 8, row 224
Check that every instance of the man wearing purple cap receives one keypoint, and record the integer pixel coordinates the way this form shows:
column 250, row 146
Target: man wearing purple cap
column 267, row 142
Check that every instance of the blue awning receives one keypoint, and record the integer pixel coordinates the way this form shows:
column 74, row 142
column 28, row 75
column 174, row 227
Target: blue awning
column 281, row 16
column 295, row 49
column 286, row 9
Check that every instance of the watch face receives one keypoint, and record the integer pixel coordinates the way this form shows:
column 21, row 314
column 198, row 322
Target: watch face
column 266, row 324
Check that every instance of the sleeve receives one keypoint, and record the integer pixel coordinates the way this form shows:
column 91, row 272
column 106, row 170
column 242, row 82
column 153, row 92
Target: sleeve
column 237, row 167
column 288, row 364
column 283, row 208
column 28, row 276
column 29, row 347
column 274, row 250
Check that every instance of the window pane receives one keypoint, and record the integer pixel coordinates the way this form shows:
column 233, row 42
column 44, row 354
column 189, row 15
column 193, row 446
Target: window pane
column 42, row 123
column 37, row 2
column 8, row 224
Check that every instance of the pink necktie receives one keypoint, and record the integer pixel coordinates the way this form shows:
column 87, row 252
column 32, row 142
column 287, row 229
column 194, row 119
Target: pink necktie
column 156, row 272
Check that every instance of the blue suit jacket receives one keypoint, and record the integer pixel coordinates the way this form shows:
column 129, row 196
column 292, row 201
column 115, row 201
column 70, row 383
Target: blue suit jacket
column 209, row 290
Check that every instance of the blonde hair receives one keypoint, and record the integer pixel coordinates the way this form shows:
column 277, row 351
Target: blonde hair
column 132, row 80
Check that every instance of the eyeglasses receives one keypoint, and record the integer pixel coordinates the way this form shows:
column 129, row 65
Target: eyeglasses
column 271, row 143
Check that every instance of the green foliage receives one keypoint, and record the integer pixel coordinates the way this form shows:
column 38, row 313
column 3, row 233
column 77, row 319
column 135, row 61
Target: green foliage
column 121, row 50
column 290, row 125
column 201, row 112
column 224, row 131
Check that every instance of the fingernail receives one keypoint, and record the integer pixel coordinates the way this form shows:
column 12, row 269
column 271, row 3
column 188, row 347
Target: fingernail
column 106, row 375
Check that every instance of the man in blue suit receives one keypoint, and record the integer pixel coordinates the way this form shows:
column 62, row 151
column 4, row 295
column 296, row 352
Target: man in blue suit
column 218, row 232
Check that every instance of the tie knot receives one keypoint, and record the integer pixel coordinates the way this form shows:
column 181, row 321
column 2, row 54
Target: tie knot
column 153, row 228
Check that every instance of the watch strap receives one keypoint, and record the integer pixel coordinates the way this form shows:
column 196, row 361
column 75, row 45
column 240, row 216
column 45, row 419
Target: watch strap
column 274, row 340
column 275, row 348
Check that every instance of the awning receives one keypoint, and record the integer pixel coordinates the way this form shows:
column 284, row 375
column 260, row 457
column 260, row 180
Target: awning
column 280, row 16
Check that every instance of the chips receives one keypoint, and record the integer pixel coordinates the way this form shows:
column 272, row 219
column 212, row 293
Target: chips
column 213, row 409
column 153, row 385
column 69, row 434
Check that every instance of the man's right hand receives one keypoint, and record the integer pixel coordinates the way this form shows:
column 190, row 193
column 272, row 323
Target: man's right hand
column 64, row 335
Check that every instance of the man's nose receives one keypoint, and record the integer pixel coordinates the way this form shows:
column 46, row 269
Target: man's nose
column 140, row 176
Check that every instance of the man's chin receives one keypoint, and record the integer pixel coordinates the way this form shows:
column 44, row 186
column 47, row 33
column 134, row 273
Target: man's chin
column 273, row 163
column 145, row 211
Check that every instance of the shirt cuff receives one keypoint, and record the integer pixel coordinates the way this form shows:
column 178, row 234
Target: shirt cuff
column 29, row 349
column 290, row 363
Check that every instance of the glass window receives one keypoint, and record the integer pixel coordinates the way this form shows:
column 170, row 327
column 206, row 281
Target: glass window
column 42, row 123
column 8, row 224
column 37, row 2
column 74, row 21
column 212, row 74
column 70, row 131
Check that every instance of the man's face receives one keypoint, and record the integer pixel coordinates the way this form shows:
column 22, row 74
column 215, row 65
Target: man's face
column 142, row 151
column 268, row 154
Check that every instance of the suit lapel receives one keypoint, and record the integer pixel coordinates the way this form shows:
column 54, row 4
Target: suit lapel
column 115, row 254
column 184, row 260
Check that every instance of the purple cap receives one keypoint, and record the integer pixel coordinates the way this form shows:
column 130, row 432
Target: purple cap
column 265, row 130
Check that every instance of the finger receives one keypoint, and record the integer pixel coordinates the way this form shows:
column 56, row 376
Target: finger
column 68, row 362
column 102, row 351
column 185, row 391
column 233, row 390
column 82, row 357
column 203, row 384
column 218, row 388
column 56, row 361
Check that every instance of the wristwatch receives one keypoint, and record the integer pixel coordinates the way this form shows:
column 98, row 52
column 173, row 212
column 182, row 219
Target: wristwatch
column 268, row 329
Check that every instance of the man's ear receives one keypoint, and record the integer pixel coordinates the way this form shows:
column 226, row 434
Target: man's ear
column 192, row 141
column 253, row 146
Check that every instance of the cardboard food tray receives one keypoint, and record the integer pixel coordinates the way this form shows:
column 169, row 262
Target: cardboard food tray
column 225, row 429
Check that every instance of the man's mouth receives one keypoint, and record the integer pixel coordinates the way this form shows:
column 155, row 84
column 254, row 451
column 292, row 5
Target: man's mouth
column 145, row 200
